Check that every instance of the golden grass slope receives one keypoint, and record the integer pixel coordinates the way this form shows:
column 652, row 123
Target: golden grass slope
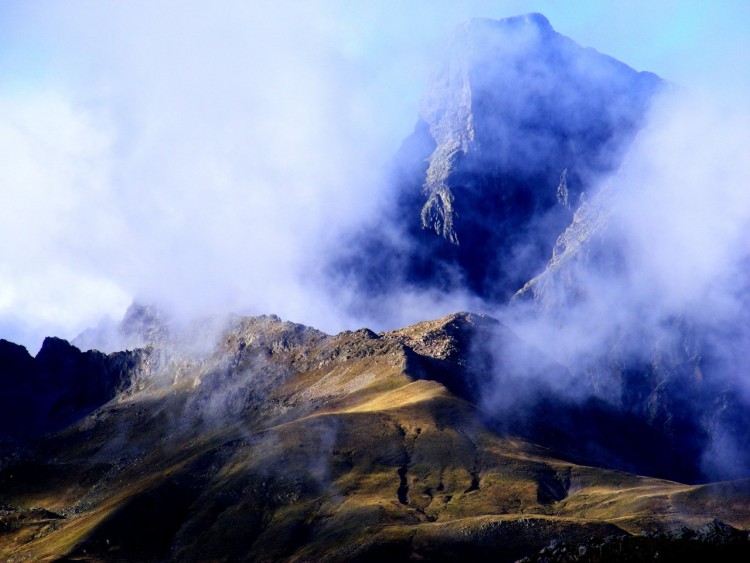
column 348, row 456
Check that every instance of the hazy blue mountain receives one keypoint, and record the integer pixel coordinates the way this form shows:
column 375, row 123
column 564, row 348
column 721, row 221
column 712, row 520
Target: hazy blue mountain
column 517, row 123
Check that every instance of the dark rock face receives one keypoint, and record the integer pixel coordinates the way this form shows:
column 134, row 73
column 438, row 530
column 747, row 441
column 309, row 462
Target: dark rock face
column 59, row 386
column 517, row 124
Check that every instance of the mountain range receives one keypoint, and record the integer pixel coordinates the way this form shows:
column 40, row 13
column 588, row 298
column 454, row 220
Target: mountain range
column 255, row 439
column 282, row 442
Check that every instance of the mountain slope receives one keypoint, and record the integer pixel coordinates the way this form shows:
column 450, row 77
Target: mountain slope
column 283, row 442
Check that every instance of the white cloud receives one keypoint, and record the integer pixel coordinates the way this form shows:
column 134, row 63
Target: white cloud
column 204, row 155
column 55, row 214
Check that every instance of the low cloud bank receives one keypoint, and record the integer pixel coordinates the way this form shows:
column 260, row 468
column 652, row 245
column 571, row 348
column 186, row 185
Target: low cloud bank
column 646, row 299
column 210, row 159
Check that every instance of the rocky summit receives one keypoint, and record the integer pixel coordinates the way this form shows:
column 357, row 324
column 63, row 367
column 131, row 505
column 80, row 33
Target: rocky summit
column 284, row 443
column 517, row 124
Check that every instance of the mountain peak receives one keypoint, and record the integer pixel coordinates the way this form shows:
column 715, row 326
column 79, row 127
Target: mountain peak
column 514, row 35
column 515, row 114
column 532, row 19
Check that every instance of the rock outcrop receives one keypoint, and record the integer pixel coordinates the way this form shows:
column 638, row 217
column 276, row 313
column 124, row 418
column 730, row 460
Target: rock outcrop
column 60, row 385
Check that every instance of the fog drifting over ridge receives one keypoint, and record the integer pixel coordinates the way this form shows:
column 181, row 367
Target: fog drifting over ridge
column 676, row 217
column 656, row 298
column 208, row 159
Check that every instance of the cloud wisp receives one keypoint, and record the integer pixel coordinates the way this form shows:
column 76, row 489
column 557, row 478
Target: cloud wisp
column 202, row 165
column 648, row 290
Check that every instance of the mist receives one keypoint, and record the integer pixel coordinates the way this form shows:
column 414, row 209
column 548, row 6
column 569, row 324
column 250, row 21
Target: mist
column 199, row 160
column 647, row 292
column 209, row 160
column 675, row 227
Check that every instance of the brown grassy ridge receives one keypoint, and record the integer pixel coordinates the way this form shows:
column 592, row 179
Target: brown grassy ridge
column 350, row 453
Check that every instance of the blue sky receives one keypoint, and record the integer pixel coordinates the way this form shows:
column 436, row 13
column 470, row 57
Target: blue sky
column 687, row 41
column 200, row 154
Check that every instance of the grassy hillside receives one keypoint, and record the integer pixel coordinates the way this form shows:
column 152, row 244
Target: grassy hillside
column 287, row 444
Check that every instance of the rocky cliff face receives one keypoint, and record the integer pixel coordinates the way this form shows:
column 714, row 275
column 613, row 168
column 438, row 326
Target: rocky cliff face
column 515, row 126
column 61, row 384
